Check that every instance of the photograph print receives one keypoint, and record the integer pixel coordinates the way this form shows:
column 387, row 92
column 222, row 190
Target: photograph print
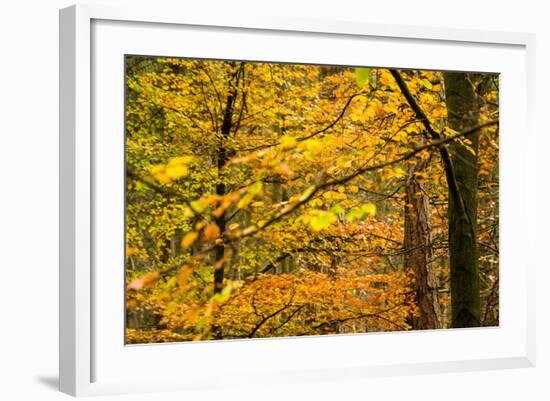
column 270, row 199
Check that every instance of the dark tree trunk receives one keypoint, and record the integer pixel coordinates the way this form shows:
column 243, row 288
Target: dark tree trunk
column 219, row 250
column 419, row 252
column 463, row 113
column 225, row 131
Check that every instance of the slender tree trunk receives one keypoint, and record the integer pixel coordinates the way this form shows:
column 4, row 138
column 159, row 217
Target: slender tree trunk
column 418, row 250
column 219, row 250
column 463, row 113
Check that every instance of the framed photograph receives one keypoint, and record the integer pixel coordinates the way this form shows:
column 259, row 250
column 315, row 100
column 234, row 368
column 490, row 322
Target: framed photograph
column 244, row 200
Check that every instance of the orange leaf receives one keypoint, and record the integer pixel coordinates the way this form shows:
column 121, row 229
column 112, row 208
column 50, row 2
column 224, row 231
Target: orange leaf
column 189, row 238
column 219, row 211
column 146, row 281
column 211, row 232
column 183, row 275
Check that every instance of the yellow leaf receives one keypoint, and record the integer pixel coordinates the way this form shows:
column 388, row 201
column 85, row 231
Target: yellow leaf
column 398, row 173
column 159, row 172
column 180, row 160
column 244, row 201
column 178, row 167
column 322, row 220
column 316, row 202
column 449, row 131
column 176, row 171
column 159, row 168
column 189, row 239
column 314, row 146
column 287, row 142
column 369, row 208
column 233, row 226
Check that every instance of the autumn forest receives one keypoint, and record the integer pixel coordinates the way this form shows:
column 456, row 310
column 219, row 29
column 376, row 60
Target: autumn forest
column 272, row 200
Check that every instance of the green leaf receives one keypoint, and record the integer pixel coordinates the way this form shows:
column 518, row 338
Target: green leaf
column 307, row 193
column 369, row 208
column 322, row 221
column 469, row 149
column 198, row 205
column 223, row 296
column 358, row 213
column 354, row 214
column 256, row 188
column 245, row 200
column 362, row 75
column 427, row 84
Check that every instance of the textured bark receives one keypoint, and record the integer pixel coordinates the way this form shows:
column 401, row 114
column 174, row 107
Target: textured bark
column 419, row 252
column 463, row 113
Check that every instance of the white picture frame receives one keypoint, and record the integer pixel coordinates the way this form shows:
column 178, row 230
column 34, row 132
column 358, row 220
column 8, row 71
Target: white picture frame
column 80, row 315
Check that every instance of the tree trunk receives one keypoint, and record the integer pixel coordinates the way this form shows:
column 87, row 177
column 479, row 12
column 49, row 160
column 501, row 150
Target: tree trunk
column 463, row 113
column 219, row 250
column 418, row 250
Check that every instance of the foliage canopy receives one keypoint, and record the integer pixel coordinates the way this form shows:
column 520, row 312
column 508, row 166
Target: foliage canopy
column 268, row 199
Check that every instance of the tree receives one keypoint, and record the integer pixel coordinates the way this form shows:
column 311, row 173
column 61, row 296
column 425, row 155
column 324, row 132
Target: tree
column 463, row 112
column 234, row 81
column 418, row 249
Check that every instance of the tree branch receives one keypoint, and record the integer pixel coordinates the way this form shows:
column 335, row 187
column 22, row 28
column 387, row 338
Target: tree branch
column 437, row 144
column 271, row 315
column 320, row 131
column 444, row 152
